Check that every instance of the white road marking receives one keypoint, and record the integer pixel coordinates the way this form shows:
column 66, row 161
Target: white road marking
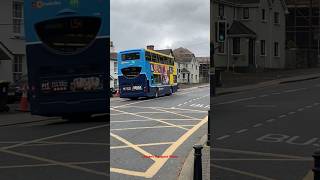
column 63, row 164
column 308, row 106
column 180, row 105
column 242, row 131
column 152, row 127
column 49, row 164
column 257, row 125
column 295, row 90
column 270, row 120
column 258, row 153
column 316, row 104
column 223, row 137
column 261, row 159
column 242, row 172
column 142, row 145
column 264, row 95
column 290, row 113
column 54, row 136
column 282, row 116
column 237, row 100
column 276, row 93
column 261, row 106
column 301, row 109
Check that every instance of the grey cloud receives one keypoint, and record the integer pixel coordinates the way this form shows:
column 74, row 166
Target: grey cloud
column 136, row 23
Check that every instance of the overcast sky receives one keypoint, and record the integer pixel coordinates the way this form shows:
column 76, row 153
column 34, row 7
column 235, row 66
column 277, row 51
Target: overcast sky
column 163, row 23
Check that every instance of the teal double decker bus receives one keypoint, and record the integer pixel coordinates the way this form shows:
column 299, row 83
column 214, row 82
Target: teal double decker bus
column 67, row 44
column 146, row 73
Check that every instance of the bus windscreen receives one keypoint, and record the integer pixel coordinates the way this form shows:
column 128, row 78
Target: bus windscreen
column 130, row 56
column 68, row 35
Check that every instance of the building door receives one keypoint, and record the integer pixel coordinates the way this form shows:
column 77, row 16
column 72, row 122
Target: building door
column 251, row 53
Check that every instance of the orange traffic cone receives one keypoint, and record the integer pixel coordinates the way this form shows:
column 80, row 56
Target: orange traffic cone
column 24, row 102
column 117, row 93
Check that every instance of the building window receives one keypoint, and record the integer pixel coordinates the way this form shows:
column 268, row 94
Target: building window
column 17, row 67
column 221, row 48
column 263, row 14
column 263, row 47
column 221, row 10
column 191, row 76
column 276, row 49
column 276, row 18
column 115, row 84
column 245, row 13
column 192, row 66
column 17, row 17
column 183, row 75
column 186, row 65
column 115, row 67
column 236, row 45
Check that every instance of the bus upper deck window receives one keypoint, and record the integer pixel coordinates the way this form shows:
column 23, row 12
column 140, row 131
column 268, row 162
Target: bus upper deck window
column 68, row 35
column 130, row 56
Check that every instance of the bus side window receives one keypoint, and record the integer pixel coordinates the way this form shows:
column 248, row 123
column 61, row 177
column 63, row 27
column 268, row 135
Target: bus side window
column 148, row 56
column 153, row 57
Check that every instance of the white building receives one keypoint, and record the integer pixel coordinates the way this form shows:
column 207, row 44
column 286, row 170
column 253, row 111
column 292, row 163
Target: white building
column 12, row 43
column 187, row 65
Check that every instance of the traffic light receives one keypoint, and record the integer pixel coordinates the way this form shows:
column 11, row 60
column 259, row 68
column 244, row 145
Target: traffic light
column 221, row 31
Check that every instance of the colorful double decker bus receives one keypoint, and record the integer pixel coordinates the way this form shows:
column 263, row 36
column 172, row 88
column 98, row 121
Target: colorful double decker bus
column 67, row 47
column 146, row 73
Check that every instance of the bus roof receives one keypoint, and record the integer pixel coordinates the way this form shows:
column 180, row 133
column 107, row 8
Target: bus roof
column 148, row 50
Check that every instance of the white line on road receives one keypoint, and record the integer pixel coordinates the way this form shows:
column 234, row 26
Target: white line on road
column 270, row 120
column 237, row 100
column 308, row 106
column 152, row 127
column 142, row 145
column 290, row 113
column 282, row 116
column 242, row 131
column 223, row 137
column 295, row 90
column 264, row 95
column 301, row 109
column 276, row 93
column 257, row 125
column 54, row 136
column 242, row 172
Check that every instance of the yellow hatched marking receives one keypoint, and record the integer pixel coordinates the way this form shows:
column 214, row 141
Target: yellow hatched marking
column 133, row 146
column 134, row 114
column 142, row 145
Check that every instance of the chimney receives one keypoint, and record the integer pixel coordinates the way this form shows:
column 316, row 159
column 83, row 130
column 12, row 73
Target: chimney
column 150, row 47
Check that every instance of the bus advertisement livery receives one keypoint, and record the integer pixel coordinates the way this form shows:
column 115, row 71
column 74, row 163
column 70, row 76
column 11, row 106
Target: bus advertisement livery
column 146, row 73
column 67, row 45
